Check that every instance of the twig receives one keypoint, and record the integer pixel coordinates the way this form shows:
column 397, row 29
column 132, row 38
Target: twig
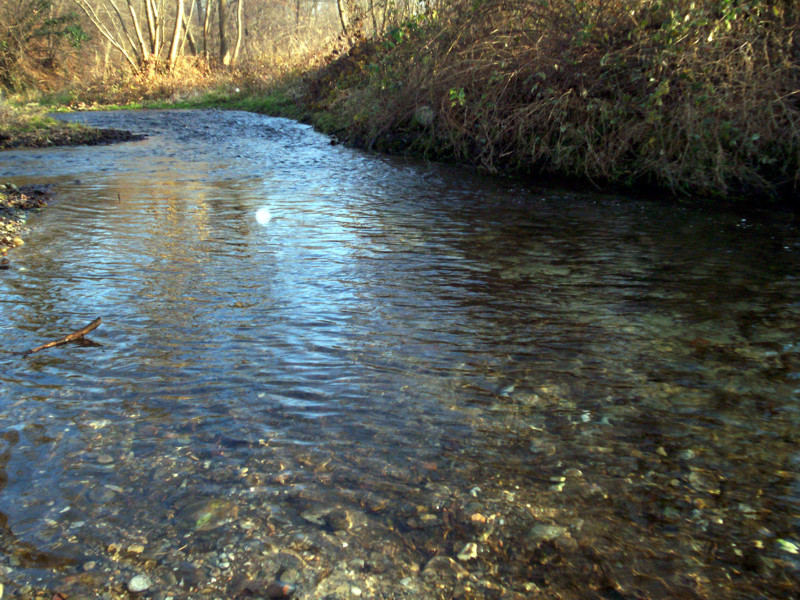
column 67, row 338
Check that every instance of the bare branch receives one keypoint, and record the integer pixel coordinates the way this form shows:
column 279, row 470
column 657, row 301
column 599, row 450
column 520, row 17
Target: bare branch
column 90, row 12
column 138, row 29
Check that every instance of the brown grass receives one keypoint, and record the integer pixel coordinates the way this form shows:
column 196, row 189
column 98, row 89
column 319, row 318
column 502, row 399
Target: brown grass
column 698, row 97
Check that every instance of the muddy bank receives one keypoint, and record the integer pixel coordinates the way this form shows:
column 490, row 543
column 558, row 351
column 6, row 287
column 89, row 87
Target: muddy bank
column 65, row 136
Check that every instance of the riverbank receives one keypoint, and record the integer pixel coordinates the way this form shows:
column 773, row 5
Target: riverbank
column 698, row 101
column 15, row 206
column 29, row 127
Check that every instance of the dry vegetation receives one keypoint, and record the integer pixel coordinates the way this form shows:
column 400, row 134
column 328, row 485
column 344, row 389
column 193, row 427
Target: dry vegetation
column 698, row 97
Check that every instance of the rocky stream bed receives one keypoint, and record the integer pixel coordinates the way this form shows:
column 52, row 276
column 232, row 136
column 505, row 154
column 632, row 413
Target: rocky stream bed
column 15, row 206
column 406, row 383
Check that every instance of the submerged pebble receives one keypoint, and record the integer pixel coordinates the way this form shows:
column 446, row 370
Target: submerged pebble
column 469, row 552
column 444, row 567
column 203, row 515
column 358, row 420
column 139, row 583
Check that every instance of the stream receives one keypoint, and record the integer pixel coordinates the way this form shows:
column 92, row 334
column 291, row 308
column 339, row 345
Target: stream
column 325, row 374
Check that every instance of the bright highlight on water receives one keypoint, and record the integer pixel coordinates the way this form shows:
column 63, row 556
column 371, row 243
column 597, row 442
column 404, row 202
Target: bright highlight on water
column 263, row 216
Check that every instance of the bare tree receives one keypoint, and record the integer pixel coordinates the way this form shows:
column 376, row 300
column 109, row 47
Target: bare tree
column 224, row 47
column 176, row 34
column 238, row 46
column 187, row 26
column 342, row 8
column 140, row 43
column 207, row 28
column 109, row 22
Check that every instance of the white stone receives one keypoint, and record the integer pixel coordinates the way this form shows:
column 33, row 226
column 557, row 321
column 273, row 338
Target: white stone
column 139, row 583
column 469, row 552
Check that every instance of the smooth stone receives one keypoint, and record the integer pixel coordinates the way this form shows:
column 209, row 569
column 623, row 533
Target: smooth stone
column 338, row 520
column 546, row 533
column 313, row 517
column 469, row 552
column 704, row 482
column 444, row 566
column 102, row 495
column 139, row 583
column 204, row 515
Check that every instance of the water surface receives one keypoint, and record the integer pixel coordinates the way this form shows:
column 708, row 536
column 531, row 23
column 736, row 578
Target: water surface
column 566, row 394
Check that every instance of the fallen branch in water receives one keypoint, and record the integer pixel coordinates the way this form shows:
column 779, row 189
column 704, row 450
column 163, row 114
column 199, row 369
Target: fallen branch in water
column 67, row 338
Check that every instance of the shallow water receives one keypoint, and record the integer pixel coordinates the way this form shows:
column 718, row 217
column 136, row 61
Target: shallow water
column 599, row 393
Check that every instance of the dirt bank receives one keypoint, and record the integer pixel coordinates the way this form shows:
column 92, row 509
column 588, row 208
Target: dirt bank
column 66, row 135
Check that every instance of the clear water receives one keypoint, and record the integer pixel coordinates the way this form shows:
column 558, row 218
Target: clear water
column 412, row 344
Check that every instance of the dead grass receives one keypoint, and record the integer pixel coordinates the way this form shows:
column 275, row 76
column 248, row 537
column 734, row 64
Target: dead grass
column 698, row 97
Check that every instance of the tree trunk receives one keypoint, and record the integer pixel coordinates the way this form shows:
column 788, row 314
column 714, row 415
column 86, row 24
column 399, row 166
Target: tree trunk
column 133, row 59
column 176, row 35
column 207, row 28
column 342, row 15
column 372, row 14
column 138, row 29
column 187, row 27
column 152, row 25
column 224, row 49
column 239, row 28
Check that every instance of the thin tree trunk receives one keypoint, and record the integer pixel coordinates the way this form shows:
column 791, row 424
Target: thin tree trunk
column 207, row 28
column 239, row 28
column 192, row 44
column 121, row 27
column 342, row 15
column 224, row 49
column 107, row 34
column 159, row 28
column 187, row 25
column 385, row 14
column 138, row 29
column 176, row 34
column 372, row 14
column 105, row 58
column 152, row 28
